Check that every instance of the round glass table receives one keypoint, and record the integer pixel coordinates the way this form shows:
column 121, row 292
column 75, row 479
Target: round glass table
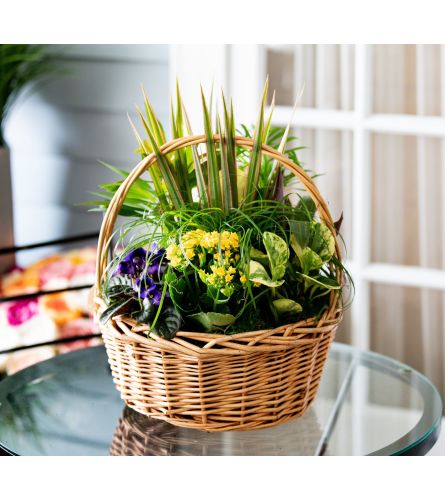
column 367, row 404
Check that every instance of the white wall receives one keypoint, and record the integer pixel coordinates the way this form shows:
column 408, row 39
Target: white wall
column 57, row 134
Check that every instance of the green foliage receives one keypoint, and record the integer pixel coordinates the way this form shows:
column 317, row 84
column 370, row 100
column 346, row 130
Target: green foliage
column 277, row 257
column 282, row 267
column 168, row 323
column 221, row 175
column 122, row 299
column 212, row 321
column 21, row 65
column 287, row 309
column 309, row 260
column 140, row 198
column 259, row 275
column 278, row 253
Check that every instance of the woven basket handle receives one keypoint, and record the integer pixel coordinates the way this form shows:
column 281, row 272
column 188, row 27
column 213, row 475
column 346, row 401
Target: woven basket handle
column 119, row 197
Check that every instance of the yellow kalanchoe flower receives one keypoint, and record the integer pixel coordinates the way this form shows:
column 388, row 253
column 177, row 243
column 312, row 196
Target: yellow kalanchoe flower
column 190, row 253
column 193, row 238
column 210, row 240
column 218, row 270
column 229, row 274
column 174, row 255
column 220, row 277
column 229, row 240
column 196, row 243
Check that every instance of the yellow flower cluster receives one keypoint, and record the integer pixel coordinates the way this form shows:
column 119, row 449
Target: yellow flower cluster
column 222, row 247
column 207, row 241
column 210, row 240
column 220, row 277
column 175, row 256
column 191, row 240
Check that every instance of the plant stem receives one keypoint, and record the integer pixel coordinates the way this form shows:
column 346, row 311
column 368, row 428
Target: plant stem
column 158, row 312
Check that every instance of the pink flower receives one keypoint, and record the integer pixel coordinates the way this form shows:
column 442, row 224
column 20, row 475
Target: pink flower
column 56, row 270
column 84, row 268
column 21, row 311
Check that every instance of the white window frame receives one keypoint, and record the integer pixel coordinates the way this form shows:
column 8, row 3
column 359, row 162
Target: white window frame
column 240, row 69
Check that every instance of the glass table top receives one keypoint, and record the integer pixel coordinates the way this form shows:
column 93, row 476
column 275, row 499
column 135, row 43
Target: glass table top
column 367, row 404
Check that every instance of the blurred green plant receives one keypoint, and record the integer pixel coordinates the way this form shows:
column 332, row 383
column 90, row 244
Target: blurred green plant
column 21, row 65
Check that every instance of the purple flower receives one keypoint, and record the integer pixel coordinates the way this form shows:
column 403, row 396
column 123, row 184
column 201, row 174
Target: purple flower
column 147, row 289
column 133, row 263
column 155, row 258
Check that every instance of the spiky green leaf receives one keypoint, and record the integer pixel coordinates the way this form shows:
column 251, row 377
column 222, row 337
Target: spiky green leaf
column 229, row 127
column 214, row 187
column 165, row 168
column 201, row 182
column 225, row 173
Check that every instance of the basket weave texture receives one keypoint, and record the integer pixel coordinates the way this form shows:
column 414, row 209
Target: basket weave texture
column 217, row 382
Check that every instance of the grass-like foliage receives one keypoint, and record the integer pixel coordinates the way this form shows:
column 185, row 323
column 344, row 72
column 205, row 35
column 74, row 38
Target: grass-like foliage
column 215, row 240
column 21, row 65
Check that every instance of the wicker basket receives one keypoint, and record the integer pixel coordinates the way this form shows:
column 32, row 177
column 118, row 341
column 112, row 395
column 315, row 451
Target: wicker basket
column 218, row 382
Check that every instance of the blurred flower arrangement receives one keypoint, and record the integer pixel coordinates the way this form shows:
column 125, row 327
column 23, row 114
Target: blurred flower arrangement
column 218, row 239
column 48, row 317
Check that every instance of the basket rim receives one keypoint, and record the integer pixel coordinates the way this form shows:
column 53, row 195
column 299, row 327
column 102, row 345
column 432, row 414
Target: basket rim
column 279, row 338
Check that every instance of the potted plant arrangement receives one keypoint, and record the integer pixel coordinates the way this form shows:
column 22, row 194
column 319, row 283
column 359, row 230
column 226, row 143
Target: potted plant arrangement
column 20, row 65
column 219, row 307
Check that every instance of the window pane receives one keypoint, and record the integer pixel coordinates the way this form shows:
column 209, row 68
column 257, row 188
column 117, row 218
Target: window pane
column 407, row 201
column 280, row 69
column 325, row 71
column 408, row 324
column 407, row 79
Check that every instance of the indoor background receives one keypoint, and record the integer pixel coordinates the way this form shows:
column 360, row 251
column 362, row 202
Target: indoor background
column 371, row 121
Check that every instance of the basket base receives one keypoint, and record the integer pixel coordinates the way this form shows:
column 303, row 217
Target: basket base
column 222, row 426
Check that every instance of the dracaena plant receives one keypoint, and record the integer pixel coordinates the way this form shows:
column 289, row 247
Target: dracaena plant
column 233, row 251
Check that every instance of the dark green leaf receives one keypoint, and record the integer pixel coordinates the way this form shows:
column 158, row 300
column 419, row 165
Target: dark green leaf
column 169, row 322
column 114, row 309
column 301, row 234
column 146, row 314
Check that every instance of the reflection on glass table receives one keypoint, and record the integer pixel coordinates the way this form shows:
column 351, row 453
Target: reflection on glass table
column 367, row 404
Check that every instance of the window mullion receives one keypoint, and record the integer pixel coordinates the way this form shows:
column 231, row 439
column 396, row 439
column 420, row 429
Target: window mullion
column 361, row 198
